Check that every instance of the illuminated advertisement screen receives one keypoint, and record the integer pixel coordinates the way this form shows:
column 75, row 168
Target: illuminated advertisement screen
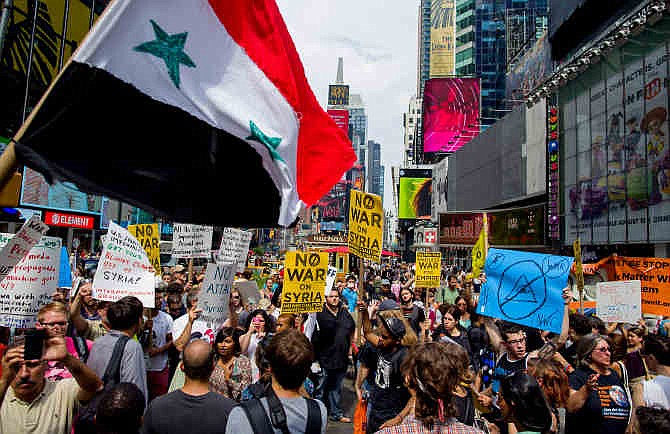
column 338, row 94
column 61, row 196
column 416, row 187
column 341, row 118
column 450, row 114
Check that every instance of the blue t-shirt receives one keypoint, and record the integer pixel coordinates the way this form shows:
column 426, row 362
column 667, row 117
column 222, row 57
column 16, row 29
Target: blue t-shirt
column 351, row 297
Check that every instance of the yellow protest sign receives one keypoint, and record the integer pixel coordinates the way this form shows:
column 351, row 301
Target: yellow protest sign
column 479, row 253
column 579, row 271
column 149, row 237
column 366, row 225
column 304, row 282
column 428, row 267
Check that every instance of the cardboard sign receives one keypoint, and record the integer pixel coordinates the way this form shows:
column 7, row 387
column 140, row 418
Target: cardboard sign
column 234, row 248
column 124, row 269
column 428, row 268
column 191, row 241
column 366, row 225
column 215, row 293
column 65, row 272
column 525, row 288
column 330, row 279
column 19, row 245
column 149, row 237
column 619, row 301
column 304, row 282
column 654, row 273
column 248, row 291
column 30, row 283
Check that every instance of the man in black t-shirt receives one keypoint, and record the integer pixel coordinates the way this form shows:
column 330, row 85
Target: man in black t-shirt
column 193, row 409
column 388, row 395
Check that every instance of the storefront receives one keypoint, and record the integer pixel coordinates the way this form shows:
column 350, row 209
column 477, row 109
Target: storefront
column 615, row 151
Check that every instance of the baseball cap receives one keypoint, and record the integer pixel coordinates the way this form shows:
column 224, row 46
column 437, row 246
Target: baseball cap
column 394, row 326
column 388, row 304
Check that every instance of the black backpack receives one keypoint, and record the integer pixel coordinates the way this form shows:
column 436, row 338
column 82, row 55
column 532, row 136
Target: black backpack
column 262, row 424
column 85, row 421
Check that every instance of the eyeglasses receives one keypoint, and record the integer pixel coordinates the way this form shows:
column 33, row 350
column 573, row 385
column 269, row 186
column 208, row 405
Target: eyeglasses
column 235, row 296
column 54, row 324
column 602, row 349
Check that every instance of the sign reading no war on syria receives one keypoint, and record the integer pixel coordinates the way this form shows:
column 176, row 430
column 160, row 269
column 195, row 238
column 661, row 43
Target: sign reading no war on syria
column 525, row 288
column 304, row 282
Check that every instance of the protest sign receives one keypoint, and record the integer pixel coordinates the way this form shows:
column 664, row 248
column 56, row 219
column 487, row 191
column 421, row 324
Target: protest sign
column 215, row 293
column 428, row 268
column 234, row 248
column 525, row 288
column 248, row 291
column 619, row 301
column 330, row 279
column 654, row 274
column 191, row 241
column 366, row 219
column 65, row 272
column 579, row 272
column 304, row 282
column 149, row 238
column 124, row 269
column 20, row 244
column 30, row 284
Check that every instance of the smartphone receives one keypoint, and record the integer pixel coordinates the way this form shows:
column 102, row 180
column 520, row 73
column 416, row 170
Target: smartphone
column 34, row 344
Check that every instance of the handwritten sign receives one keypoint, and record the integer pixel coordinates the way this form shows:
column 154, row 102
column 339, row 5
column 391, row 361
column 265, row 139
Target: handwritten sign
column 304, row 282
column 654, row 273
column 149, row 237
column 215, row 293
column 330, row 279
column 191, row 241
column 525, row 288
column 124, row 269
column 234, row 248
column 18, row 247
column 619, row 301
column 30, row 284
column 366, row 220
column 428, row 269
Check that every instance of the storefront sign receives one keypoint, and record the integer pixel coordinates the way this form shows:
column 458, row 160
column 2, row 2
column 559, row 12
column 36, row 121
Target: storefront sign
column 68, row 220
column 553, row 220
column 325, row 238
column 460, row 228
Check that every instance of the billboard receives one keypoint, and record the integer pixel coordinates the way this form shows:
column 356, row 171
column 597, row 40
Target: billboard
column 529, row 71
column 440, row 184
column 338, row 94
column 61, row 196
column 450, row 113
column 416, row 186
column 442, row 38
column 341, row 118
column 614, row 153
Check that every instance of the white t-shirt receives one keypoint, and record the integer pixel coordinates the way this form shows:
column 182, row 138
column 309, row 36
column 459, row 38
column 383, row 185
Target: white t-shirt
column 656, row 392
column 199, row 329
column 162, row 327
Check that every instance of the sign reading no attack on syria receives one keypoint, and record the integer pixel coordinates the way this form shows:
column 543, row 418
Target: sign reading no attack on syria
column 304, row 282
column 366, row 220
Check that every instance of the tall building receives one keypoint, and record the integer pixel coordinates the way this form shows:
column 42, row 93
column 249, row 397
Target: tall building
column 423, row 69
column 412, row 127
column 358, row 127
column 375, row 170
column 465, row 38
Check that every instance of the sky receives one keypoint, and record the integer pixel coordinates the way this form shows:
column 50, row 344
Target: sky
column 378, row 41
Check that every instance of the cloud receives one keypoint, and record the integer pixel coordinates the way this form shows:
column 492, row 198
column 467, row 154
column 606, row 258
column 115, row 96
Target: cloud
column 368, row 53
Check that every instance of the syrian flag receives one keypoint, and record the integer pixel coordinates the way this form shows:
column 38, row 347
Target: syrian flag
column 194, row 110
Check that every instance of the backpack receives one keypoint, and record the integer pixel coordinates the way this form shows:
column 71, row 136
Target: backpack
column 85, row 421
column 262, row 424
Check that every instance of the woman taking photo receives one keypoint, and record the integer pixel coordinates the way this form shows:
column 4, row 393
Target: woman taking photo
column 523, row 404
column 232, row 372
column 599, row 401
column 259, row 331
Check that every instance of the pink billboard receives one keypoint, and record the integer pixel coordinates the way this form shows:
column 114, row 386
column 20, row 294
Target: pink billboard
column 341, row 118
column 450, row 113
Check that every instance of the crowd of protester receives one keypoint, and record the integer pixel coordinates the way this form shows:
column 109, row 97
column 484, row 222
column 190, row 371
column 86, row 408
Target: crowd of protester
column 423, row 361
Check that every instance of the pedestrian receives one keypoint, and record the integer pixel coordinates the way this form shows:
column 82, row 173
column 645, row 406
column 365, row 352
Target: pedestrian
column 657, row 356
column 449, row 293
column 431, row 373
column 92, row 327
column 30, row 402
column 259, row 330
column 232, row 370
column 523, row 404
column 332, row 337
column 414, row 314
column 120, row 410
column 452, row 329
column 125, row 320
column 158, row 328
column 282, row 408
column 193, row 408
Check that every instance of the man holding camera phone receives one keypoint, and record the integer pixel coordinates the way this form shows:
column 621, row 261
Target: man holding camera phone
column 28, row 399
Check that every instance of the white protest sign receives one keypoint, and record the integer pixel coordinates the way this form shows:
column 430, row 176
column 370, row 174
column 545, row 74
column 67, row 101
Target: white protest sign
column 330, row 279
column 619, row 301
column 191, row 241
column 215, row 293
column 124, row 269
column 30, row 284
column 18, row 247
column 248, row 290
column 234, row 248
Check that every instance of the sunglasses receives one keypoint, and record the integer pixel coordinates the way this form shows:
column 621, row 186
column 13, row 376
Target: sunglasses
column 235, row 296
column 602, row 349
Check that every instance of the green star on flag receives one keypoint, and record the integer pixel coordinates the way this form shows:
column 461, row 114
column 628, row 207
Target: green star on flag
column 271, row 143
column 170, row 48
